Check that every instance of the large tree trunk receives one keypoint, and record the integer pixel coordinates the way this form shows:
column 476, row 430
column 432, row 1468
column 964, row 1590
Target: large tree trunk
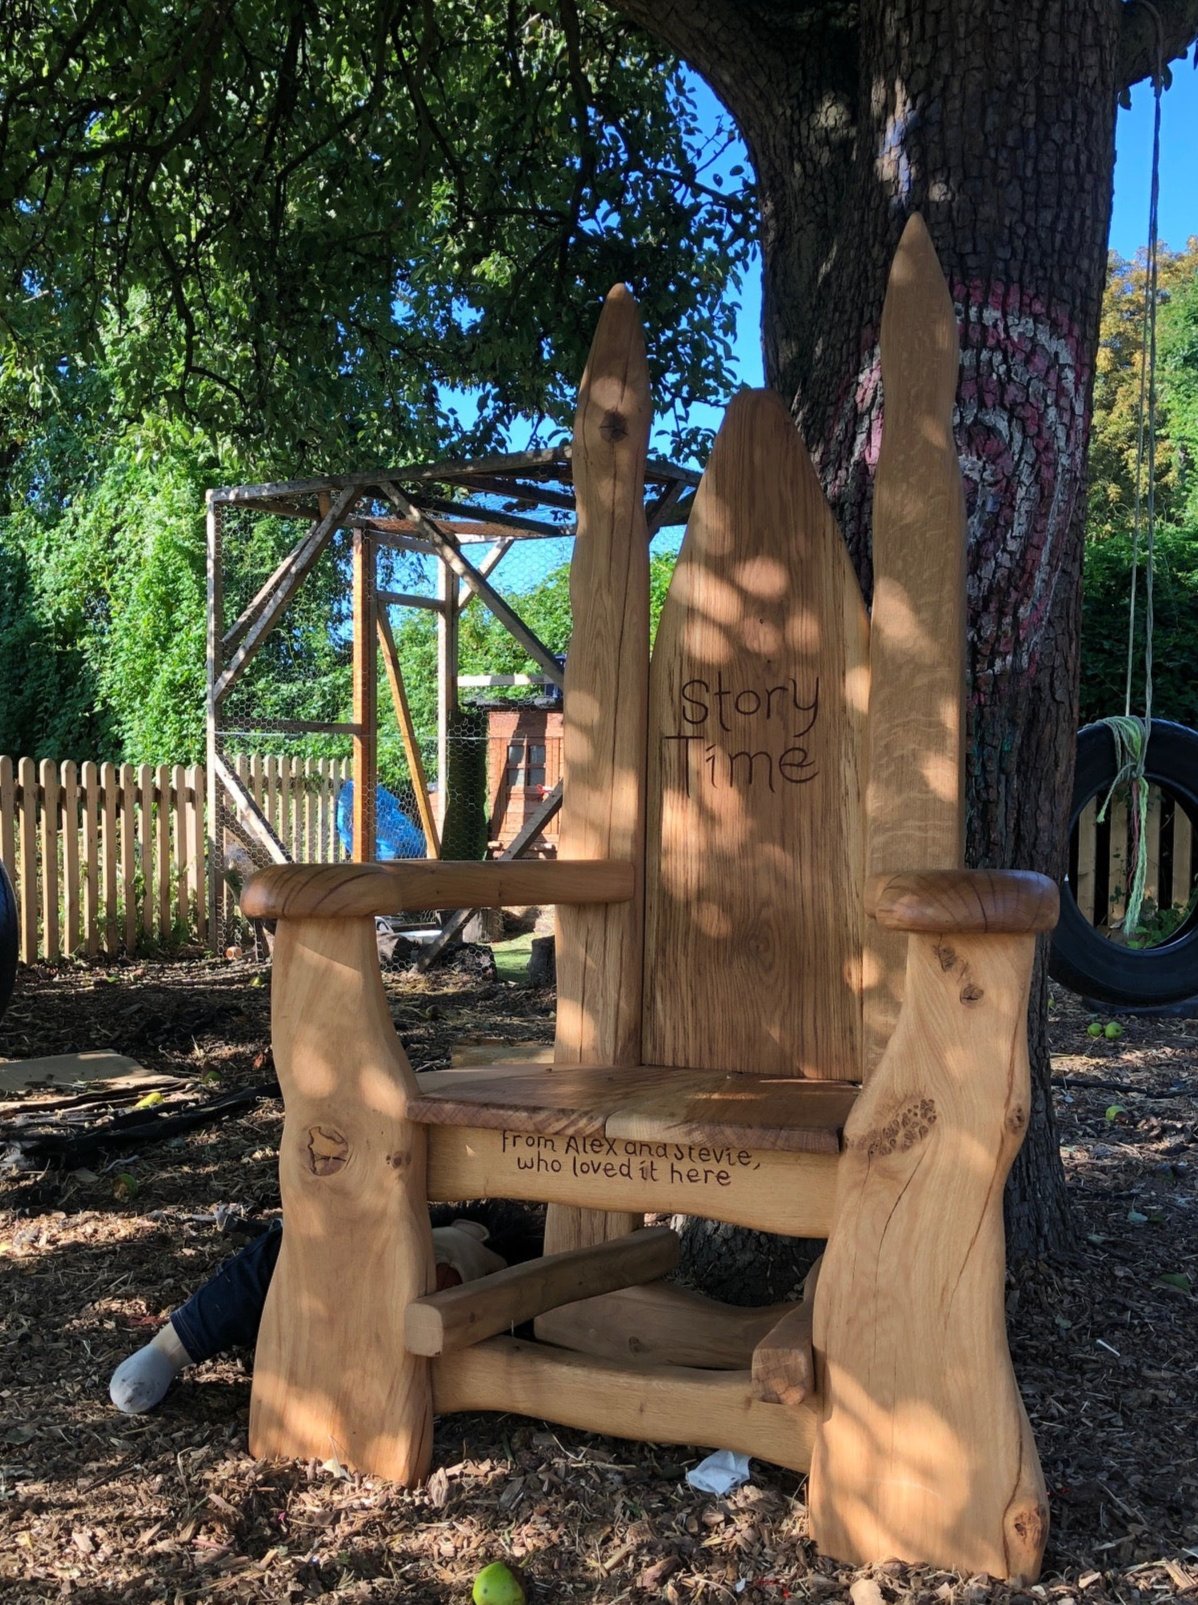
column 997, row 123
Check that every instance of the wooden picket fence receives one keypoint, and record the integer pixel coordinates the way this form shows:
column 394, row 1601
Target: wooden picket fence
column 1100, row 867
column 107, row 858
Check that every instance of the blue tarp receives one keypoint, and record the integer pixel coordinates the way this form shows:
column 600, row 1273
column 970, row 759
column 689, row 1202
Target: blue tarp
column 397, row 836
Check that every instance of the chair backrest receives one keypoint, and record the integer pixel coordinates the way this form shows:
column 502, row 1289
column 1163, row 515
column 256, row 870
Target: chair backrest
column 758, row 694
column 781, row 746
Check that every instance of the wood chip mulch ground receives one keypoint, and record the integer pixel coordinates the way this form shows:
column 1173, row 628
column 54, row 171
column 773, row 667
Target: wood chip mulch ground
column 98, row 1507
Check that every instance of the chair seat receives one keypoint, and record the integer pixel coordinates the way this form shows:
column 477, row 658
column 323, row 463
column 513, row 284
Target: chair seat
column 642, row 1103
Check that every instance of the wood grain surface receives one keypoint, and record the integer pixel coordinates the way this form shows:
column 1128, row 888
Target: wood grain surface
column 761, row 1188
column 600, row 951
column 331, row 1378
column 942, row 901
column 924, row 1450
column 655, row 1404
column 662, row 1324
column 646, row 1103
column 460, row 1316
column 758, row 691
column 348, row 891
column 916, row 795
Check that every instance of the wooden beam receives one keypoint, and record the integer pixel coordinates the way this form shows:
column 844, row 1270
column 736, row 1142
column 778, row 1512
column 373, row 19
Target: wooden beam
column 657, row 1403
column 288, row 727
column 365, row 684
column 461, row 1316
column 451, row 555
column 408, row 599
column 534, row 495
column 663, row 506
column 525, row 460
column 253, row 820
column 662, row 1325
column 531, row 463
column 783, row 1362
column 349, row 891
column 447, row 678
column 214, row 558
column 501, row 520
column 515, row 849
column 485, row 566
column 600, row 952
column 267, row 589
column 299, row 566
column 407, row 731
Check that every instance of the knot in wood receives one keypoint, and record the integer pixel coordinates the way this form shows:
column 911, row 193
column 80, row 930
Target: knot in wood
column 907, row 1126
column 328, row 1150
column 399, row 1161
column 971, row 993
column 946, row 955
column 1017, row 1118
column 613, row 427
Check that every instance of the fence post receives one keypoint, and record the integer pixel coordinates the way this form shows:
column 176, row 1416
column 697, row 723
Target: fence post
column 70, row 855
column 108, row 856
column 127, row 789
column 162, row 786
column 1183, row 856
column 145, row 820
column 27, row 780
column 182, row 843
column 8, row 818
column 48, row 780
column 198, row 836
column 91, row 858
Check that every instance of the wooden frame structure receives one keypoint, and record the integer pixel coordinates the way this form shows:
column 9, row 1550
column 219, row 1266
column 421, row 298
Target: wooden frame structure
column 782, row 1003
column 467, row 516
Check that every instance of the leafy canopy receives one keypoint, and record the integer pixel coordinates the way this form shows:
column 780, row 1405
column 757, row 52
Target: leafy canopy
column 293, row 226
column 247, row 240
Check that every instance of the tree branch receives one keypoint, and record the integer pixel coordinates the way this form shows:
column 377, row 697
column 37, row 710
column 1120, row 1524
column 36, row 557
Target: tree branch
column 1138, row 37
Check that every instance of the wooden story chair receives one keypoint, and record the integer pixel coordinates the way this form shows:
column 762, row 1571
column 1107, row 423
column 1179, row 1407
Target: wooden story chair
column 729, row 1035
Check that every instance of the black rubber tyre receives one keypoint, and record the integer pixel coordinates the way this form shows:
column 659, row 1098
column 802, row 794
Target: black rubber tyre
column 8, row 939
column 1082, row 958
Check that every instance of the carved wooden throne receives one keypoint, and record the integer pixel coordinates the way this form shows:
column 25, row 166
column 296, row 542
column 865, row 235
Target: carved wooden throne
column 727, row 1043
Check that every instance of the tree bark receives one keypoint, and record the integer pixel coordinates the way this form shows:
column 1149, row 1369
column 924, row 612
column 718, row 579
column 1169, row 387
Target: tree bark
column 998, row 125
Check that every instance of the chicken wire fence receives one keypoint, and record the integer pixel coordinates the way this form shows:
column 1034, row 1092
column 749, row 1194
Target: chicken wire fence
column 284, row 727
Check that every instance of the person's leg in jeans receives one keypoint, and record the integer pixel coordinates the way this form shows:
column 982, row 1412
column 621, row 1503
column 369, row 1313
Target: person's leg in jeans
column 222, row 1314
column 225, row 1312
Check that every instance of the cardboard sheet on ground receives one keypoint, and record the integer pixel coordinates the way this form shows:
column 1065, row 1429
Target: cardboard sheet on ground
column 72, row 1070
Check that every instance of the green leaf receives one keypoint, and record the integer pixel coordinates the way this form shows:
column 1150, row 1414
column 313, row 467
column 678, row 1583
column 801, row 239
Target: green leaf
column 1176, row 1279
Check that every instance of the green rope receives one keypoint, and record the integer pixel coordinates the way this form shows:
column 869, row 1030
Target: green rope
column 1130, row 734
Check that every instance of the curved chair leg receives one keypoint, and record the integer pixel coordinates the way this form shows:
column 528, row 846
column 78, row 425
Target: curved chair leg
column 331, row 1376
column 924, row 1451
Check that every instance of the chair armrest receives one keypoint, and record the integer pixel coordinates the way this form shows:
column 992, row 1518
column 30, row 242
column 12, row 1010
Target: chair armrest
column 347, row 891
column 964, row 901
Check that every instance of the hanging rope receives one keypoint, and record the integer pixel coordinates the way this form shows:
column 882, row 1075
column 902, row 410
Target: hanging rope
column 1130, row 734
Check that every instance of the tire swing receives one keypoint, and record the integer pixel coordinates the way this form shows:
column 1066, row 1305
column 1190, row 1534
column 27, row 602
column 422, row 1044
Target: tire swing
column 1082, row 957
column 1138, row 753
column 8, row 939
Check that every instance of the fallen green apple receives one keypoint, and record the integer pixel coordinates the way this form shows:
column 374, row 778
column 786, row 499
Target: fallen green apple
column 497, row 1584
column 1094, row 1029
column 1113, row 1029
